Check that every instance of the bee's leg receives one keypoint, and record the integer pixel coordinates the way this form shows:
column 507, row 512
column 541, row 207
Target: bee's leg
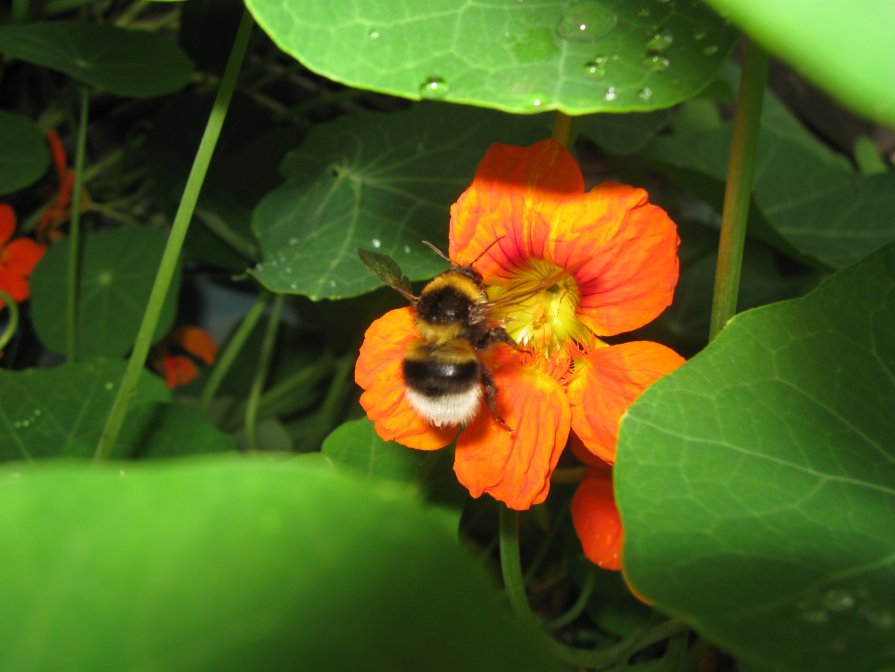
column 491, row 397
column 497, row 335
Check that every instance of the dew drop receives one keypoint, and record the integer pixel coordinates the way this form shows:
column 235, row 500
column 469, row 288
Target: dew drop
column 293, row 285
column 37, row 412
column 376, row 243
column 433, row 87
column 710, row 50
column 643, row 13
column 878, row 617
column 838, row 599
column 699, row 35
column 645, row 93
column 596, row 69
column 815, row 615
column 656, row 62
column 611, row 94
column 407, row 249
column 660, row 41
column 109, row 385
column 586, row 21
column 293, row 241
column 374, row 34
column 537, row 102
column 287, row 270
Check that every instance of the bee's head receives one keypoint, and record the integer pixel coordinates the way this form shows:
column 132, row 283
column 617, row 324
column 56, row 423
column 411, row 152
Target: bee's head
column 469, row 272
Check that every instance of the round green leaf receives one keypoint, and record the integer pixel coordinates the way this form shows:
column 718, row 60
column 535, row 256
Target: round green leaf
column 240, row 564
column 756, row 482
column 126, row 62
column 384, row 182
column 845, row 47
column 62, row 411
column 118, row 268
column 526, row 56
column 23, row 152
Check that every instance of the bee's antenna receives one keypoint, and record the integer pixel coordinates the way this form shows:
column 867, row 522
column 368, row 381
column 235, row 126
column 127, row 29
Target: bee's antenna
column 437, row 251
column 483, row 252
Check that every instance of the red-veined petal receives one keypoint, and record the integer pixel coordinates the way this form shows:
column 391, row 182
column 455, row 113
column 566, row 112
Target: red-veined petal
column 378, row 372
column 511, row 201
column 607, row 380
column 515, row 467
column 596, row 519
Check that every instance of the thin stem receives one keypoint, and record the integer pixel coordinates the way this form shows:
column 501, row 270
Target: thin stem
column 74, row 232
column 129, row 14
column 264, row 359
column 12, row 325
column 575, row 610
column 332, row 403
column 232, row 350
column 219, row 228
column 168, row 264
column 511, row 563
column 740, row 172
column 562, row 128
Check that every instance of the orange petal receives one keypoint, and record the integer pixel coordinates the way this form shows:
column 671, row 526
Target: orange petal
column 623, row 253
column 582, row 454
column 378, row 372
column 511, row 201
column 179, row 371
column 197, row 342
column 515, row 467
column 596, row 519
column 608, row 380
column 22, row 255
column 7, row 222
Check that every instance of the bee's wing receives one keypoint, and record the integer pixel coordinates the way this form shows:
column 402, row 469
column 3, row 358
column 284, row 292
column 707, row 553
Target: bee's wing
column 386, row 269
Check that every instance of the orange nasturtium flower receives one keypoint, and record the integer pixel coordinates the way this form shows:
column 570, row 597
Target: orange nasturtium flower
column 180, row 370
column 565, row 267
column 57, row 212
column 17, row 258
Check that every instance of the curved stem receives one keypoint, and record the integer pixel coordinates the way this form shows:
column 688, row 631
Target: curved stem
column 74, row 233
column 562, row 128
column 264, row 358
column 738, row 192
column 575, row 610
column 13, row 324
column 231, row 352
column 168, row 264
column 511, row 563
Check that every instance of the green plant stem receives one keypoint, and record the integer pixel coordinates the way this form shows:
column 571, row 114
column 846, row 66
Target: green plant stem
column 74, row 232
column 332, row 403
column 219, row 228
column 19, row 10
column 514, row 585
column 168, row 264
column 12, row 325
column 268, row 345
column 575, row 610
column 129, row 14
column 232, row 350
column 738, row 192
column 562, row 128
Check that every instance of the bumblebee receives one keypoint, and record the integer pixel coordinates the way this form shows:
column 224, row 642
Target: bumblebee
column 443, row 371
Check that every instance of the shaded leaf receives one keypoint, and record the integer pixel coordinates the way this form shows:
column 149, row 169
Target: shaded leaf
column 118, row 268
column 235, row 564
column 62, row 411
column 760, row 475
column 134, row 63
column 23, row 152
column 379, row 181
column 578, row 57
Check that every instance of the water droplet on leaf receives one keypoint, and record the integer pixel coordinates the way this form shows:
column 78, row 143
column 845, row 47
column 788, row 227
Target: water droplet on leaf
column 710, row 50
column 376, row 243
column 596, row 69
column 109, row 385
column 611, row 94
column 660, row 41
column 433, row 87
column 699, row 35
column 656, row 62
column 645, row 93
column 586, row 21
column 373, row 34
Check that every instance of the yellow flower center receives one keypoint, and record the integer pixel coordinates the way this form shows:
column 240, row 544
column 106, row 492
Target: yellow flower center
column 538, row 306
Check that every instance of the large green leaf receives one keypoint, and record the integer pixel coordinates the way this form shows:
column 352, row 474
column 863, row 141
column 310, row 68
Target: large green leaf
column 239, row 564
column 845, row 47
column 526, row 56
column 23, row 152
column 62, row 411
column 378, row 181
column 118, row 268
column 807, row 195
column 135, row 63
column 756, row 482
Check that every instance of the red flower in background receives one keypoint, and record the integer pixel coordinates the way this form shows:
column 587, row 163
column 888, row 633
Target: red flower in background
column 17, row 257
column 179, row 370
column 57, row 213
